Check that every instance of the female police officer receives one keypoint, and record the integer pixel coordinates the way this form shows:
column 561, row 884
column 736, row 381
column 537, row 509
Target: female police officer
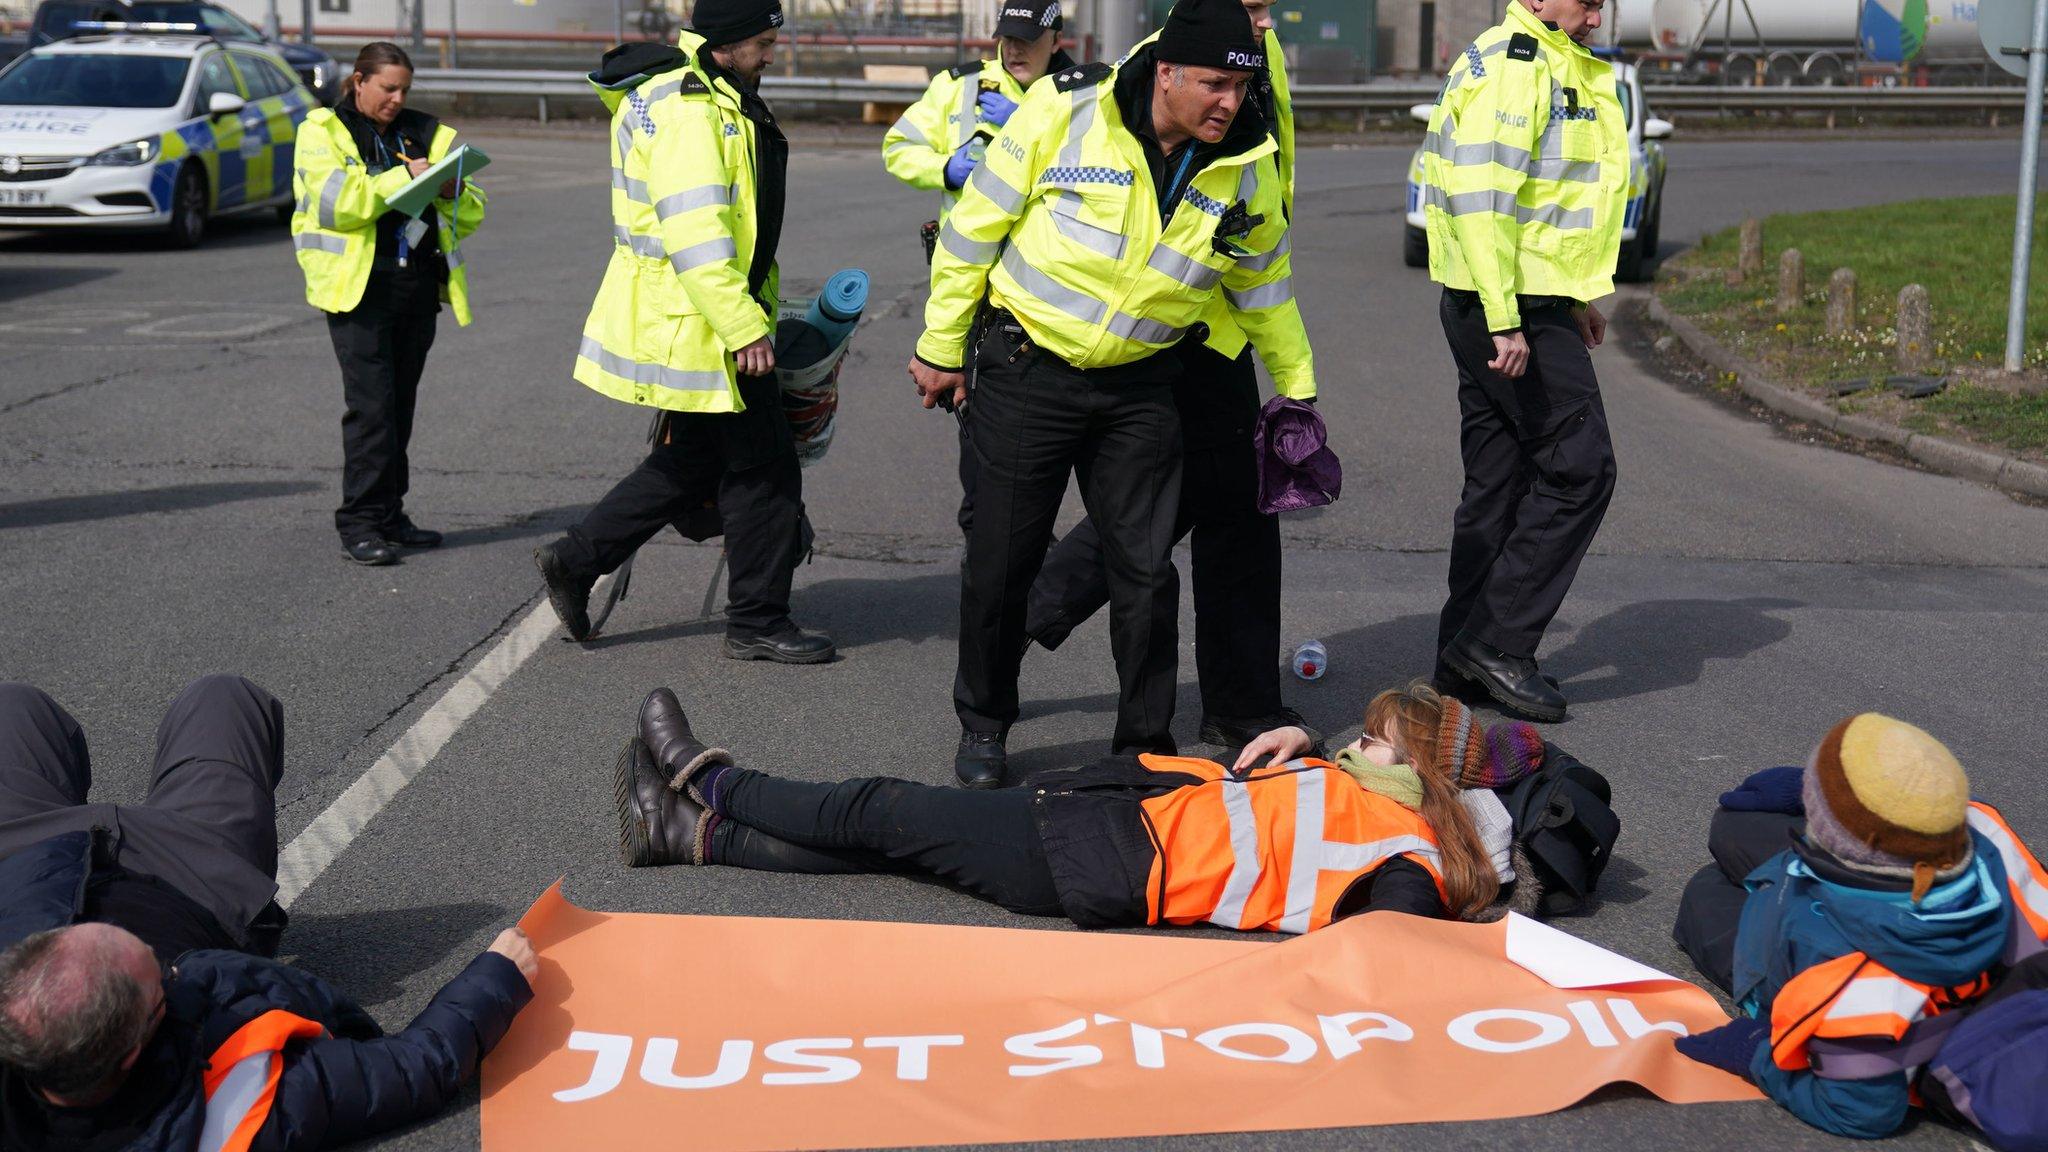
column 381, row 278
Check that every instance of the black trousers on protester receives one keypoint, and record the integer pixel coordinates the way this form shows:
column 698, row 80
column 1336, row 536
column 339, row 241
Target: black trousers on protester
column 1033, row 420
column 1539, row 472
column 382, row 345
column 745, row 461
column 984, row 841
column 1711, row 907
column 1236, row 548
column 208, row 825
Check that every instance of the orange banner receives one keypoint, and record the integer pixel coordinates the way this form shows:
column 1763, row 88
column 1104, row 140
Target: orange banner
column 750, row 1033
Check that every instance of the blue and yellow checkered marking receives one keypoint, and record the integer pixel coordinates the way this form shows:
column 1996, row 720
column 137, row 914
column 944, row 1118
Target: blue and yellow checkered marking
column 1086, row 175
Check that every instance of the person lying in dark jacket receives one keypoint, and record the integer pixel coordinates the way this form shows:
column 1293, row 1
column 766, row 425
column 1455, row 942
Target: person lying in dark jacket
column 133, row 1015
column 1127, row 841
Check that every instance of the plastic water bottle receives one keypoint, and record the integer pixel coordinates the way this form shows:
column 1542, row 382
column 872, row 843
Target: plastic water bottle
column 1310, row 660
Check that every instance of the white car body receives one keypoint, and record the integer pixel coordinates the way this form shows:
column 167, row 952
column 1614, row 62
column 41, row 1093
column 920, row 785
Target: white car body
column 67, row 165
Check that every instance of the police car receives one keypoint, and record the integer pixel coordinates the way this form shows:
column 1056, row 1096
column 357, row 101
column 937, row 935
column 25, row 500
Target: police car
column 146, row 126
column 1641, row 220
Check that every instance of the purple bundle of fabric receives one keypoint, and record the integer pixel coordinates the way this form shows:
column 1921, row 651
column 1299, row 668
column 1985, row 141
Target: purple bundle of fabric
column 1297, row 469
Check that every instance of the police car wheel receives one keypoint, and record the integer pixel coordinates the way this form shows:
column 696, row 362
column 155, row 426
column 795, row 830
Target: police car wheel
column 1414, row 247
column 1628, row 268
column 188, row 208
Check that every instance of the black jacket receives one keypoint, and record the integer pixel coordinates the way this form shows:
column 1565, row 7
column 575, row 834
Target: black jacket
column 353, row 1083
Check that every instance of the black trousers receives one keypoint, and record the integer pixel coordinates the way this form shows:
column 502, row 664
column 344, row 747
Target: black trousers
column 1033, row 421
column 746, row 463
column 985, row 842
column 1539, row 472
column 208, row 825
column 1710, row 909
column 1236, row 548
column 382, row 346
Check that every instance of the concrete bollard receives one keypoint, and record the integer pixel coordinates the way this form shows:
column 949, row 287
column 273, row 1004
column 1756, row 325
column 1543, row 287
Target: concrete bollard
column 1841, row 302
column 1749, row 258
column 1915, row 328
column 1791, row 280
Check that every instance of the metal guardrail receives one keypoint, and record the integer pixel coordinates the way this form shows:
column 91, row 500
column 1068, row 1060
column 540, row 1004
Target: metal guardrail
column 1364, row 99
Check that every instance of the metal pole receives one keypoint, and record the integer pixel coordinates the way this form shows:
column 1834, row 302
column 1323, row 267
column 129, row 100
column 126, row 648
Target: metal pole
column 2023, row 225
column 270, row 20
column 306, row 21
column 419, row 27
column 453, row 60
column 622, row 21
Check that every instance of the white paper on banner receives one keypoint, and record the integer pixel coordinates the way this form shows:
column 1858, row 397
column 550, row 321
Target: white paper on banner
column 1565, row 961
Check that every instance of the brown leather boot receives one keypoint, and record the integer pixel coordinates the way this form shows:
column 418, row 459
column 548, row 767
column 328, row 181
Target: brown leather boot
column 678, row 753
column 656, row 826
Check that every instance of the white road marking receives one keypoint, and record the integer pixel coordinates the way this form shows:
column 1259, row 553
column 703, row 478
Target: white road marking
column 329, row 835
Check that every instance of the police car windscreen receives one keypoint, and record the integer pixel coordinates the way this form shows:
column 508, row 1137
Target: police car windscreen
column 95, row 81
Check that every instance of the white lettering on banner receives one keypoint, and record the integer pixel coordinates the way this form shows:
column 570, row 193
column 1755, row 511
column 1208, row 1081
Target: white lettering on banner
column 1342, row 1041
column 830, row 1069
column 1073, row 1056
column 1549, row 1030
column 913, row 1053
column 1300, row 1048
column 1501, row 1031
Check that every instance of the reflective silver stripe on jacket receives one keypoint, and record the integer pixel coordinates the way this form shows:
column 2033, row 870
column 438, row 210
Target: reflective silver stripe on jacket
column 1264, row 296
column 693, row 198
column 1085, row 100
column 330, row 199
column 1066, row 216
column 712, row 251
column 1186, row 269
column 1260, row 261
column 649, row 246
column 1548, row 164
column 454, row 258
column 635, row 190
column 997, row 189
column 1244, row 855
column 911, row 133
column 665, row 88
column 970, row 91
column 1080, row 306
column 660, row 375
column 314, row 242
column 1494, row 200
column 1147, row 331
column 1314, row 855
column 972, row 251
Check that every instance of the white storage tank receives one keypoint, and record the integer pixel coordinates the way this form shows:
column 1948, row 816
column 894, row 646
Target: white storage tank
column 470, row 15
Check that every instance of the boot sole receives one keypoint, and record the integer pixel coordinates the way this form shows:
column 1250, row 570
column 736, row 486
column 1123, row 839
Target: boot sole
column 562, row 611
column 747, row 650
column 1495, row 693
column 634, row 848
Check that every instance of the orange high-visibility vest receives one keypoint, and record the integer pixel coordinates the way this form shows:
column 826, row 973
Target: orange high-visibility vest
column 241, row 1078
column 1274, row 850
column 1855, row 997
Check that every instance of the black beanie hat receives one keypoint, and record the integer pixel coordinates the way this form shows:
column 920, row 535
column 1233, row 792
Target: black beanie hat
column 1211, row 34
column 722, row 22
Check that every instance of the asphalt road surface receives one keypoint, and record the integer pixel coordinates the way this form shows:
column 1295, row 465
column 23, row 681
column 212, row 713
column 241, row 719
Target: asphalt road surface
column 169, row 461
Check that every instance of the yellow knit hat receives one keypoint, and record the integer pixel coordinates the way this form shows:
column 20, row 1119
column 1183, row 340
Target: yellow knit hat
column 1883, row 794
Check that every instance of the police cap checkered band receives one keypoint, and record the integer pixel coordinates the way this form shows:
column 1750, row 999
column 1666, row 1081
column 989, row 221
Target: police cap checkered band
column 1028, row 19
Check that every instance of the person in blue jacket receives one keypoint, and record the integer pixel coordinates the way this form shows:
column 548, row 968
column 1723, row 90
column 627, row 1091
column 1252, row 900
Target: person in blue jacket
column 1853, row 949
column 132, row 1015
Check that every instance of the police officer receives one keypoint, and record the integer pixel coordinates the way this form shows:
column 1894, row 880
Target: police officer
column 1236, row 548
column 381, row 277
column 685, row 323
column 1116, row 203
column 938, row 141
column 1525, row 173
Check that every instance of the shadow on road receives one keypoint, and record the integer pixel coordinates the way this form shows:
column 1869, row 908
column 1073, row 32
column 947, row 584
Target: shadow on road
column 171, row 498
column 1660, row 644
column 371, row 954
column 855, row 612
column 26, row 282
column 546, row 521
column 254, row 230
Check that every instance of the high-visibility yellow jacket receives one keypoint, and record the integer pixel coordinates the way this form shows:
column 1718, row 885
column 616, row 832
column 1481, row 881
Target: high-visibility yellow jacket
column 927, row 135
column 1525, row 170
column 674, row 304
column 334, row 219
column 1060, row 225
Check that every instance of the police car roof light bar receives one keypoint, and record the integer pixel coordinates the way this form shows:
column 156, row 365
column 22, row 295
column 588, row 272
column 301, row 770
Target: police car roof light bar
column 135, row 26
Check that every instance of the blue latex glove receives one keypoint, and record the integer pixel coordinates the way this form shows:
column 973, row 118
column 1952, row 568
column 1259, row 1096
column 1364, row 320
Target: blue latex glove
column 1730, row 1047
column 996, row 107
column 1771, row 790
column 960, row 167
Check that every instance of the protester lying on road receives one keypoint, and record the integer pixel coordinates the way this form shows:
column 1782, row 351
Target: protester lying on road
column 1128, row 840
column 1854, row 953
column 132, row 1012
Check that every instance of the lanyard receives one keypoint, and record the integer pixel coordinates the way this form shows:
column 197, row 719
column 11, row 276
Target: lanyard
column 384, row 157
column 1173, row 190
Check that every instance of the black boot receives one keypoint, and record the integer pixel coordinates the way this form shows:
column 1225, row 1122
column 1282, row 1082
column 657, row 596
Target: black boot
column 1238, row 731
column 678, row 755
column 792, row 645
column 570, row 595
column 656, row 826
column 981, row 759
column 1512, row 681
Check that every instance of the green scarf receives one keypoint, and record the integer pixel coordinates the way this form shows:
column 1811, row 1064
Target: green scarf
column 1397, row 782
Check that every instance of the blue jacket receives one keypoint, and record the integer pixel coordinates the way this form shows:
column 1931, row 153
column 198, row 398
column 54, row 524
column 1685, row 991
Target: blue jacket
column 352, row 1083
column 1795, row 919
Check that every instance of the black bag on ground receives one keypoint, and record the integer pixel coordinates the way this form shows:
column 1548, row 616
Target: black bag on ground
column 1565, row 826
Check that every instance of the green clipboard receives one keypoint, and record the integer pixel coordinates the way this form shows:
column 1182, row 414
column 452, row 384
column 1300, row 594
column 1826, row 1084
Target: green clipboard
column 414, row 198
